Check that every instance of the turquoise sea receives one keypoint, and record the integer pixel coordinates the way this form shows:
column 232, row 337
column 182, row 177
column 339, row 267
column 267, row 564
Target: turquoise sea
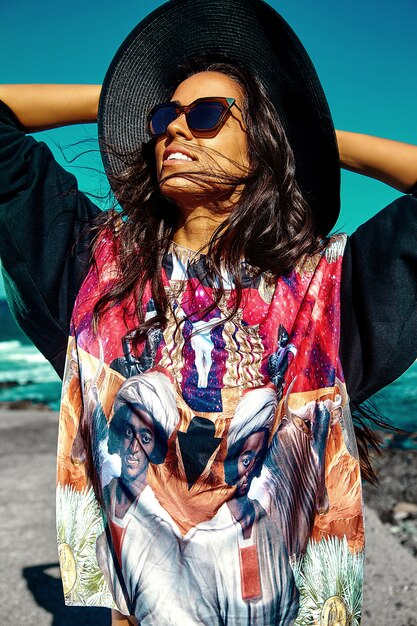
column 26, row 375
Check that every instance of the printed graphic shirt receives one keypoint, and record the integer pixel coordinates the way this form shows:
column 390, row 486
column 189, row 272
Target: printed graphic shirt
column 219, row 455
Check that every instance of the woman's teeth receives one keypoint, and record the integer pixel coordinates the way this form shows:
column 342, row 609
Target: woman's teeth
column 178, row 155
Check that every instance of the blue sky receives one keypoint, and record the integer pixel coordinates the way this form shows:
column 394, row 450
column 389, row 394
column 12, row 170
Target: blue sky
column 365, row 53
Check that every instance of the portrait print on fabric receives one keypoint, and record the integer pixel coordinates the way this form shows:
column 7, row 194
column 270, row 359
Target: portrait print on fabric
column 217, row 459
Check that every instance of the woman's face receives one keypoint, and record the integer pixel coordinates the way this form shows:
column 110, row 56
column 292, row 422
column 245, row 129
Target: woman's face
column 224, row 153
column 137, row 444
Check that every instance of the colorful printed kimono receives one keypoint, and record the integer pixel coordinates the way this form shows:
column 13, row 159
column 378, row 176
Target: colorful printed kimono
column 210, row 475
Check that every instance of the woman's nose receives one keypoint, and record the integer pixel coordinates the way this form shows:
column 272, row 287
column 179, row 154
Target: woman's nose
column 179, row 127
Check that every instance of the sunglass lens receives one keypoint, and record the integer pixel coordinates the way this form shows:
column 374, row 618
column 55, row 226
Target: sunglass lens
column 161, row 118
column 205, row 115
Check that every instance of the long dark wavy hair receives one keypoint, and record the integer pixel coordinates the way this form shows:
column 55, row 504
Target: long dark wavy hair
column 272, row 226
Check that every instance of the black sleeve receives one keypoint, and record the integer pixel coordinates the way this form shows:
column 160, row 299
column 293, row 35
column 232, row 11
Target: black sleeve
column 379, row 300
column 44, row 238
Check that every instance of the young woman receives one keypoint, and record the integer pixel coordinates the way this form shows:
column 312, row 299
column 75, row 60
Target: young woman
column 219, row 283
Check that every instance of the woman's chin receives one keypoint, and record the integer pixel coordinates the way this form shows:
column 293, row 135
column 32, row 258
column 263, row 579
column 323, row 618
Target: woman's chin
column 178, row 188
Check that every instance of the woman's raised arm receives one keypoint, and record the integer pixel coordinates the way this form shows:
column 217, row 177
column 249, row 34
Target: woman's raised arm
column 392, row 162
column 45, row 241
column 40, row 107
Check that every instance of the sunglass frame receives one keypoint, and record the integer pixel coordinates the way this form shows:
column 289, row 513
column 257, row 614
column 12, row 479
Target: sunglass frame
column 179, row 109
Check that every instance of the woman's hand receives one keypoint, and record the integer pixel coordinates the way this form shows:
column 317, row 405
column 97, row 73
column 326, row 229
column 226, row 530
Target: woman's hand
column 39, row 107
column 392, row 162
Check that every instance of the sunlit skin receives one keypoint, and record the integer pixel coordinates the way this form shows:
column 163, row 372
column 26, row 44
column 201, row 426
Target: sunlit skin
column 136, row 444
column 241, row 506
column 224, row 152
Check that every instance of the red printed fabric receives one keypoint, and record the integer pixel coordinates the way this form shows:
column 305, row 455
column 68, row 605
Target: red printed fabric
column 210, row 475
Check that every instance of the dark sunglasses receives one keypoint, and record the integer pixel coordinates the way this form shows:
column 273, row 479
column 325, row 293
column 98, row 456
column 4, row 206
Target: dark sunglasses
column 204, row 115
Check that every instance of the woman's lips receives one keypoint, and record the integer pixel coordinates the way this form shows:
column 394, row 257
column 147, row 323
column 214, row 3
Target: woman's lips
column 175, row 155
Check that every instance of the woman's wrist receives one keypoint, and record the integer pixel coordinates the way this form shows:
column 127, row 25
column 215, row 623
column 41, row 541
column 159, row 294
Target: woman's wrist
column 44, row 106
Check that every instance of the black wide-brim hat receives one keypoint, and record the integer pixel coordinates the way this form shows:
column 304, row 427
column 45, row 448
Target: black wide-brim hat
column 251, row 33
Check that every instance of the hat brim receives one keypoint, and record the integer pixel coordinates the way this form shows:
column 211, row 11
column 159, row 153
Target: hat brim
column 251, row 33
